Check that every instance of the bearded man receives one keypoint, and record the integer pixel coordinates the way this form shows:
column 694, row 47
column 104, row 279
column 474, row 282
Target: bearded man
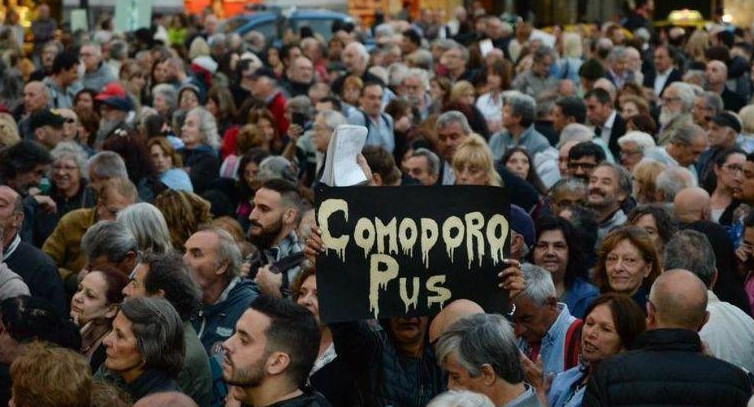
column 276, row 213
column 677, row 102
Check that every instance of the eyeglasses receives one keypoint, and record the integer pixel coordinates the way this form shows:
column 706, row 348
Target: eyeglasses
column 70, row 120
column 628, row 153
column 734, row 168
column 583, row 166
column 64, row 168
column 668, row 99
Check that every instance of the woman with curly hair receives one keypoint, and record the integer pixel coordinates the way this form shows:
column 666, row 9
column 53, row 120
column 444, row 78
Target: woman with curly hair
column 184, row 212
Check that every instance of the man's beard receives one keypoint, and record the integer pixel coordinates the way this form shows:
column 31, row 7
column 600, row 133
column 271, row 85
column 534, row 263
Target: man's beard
column 666, row 117
column 251, row 377
column 264, row 239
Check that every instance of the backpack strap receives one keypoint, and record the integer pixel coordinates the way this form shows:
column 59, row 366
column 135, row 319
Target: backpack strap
column 573, row 344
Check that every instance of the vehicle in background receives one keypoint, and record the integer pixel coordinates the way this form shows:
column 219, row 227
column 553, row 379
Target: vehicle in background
column 274, row 23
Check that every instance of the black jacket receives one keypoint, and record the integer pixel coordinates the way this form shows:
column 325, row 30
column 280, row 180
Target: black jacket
column 203, row 165
column 619, row 129
column 649, row 79
column 667, row 368
column 732, row 101
column 39, row 273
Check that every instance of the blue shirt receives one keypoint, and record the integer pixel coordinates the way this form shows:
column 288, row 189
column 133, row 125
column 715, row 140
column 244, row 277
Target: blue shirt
column 530, row 139
column 579, row 296
column 564, row 391
column 380, row 130
column 552, row 349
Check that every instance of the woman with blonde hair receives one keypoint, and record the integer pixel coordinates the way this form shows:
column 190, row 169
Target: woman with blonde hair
column 8, row 131
column 473, row 163
column 644, row 175
column 462, row 98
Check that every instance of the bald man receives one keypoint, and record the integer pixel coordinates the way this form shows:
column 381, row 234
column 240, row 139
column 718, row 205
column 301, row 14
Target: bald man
column 452, row 312
column 716, row 74
column 666, row 365
column 692, row 205
column 166, row 399
column 35, row 99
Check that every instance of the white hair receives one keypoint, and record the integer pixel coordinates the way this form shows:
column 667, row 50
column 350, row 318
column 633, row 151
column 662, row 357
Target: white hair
column 420, row 73
column 643, row 140
column 539, row 286
column 460, row 398
column 396, row 73
column 575, row 132
column 361, row 50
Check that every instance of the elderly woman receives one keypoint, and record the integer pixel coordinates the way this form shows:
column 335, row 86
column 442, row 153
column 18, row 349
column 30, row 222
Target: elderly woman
column 146, row 346
column 148, row 226
column 612, row 324
column 68, row 192
column 632, row 147
column 69, row 172
column 93, row 309
column 168, row 164
column 200, row 139
column 627, row 264
column 559, row 250
column 165, row 99
column 657, row 221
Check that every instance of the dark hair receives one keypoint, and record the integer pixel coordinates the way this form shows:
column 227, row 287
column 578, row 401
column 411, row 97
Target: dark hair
column 28, row 319
column 413, row 36
column 643, row 122
column 336, row 105
column 666, row 226
column 576, row 261
column 382, row 162
column 584, row 221
column 628, row 318
column 571, row 106
column 586, row 149
column 591, row 70
column 372, row 82
column 602, row 96
column 168, row 272
column 132, row 147
column 719, row 158
column 293, row 330
column 64, row 61
column 287, row 190
column 503, row 69
column 254, row 155
column 159, row 333
column 21, row 158
column 532, row 177
column 285, row 51
column 115, row 281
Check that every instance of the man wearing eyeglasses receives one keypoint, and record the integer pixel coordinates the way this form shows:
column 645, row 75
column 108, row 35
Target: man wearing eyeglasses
column 722, row 134
column 677, row 102
column 63, row 83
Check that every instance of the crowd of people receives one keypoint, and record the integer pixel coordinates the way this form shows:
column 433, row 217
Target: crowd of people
column 158, row 226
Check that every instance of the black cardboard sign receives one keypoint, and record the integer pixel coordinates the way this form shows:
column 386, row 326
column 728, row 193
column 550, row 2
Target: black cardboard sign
column 397, row 251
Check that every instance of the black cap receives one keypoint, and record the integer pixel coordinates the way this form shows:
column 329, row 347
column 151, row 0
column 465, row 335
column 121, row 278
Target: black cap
column 727, row 119
column 45, row 117
column 264, row 71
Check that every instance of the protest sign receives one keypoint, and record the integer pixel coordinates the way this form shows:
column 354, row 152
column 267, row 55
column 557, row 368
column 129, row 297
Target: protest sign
column 395, row 251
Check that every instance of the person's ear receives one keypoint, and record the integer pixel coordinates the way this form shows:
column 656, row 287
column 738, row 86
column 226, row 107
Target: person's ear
column 223, row 267
column 714, row 279
column 289, row 216
column 277, row 363
column 489, row 377
column 376, row 179
column 112, row 310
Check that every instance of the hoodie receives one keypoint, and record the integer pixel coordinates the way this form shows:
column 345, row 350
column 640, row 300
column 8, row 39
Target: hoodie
column 11, row 284
column 217, row 322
